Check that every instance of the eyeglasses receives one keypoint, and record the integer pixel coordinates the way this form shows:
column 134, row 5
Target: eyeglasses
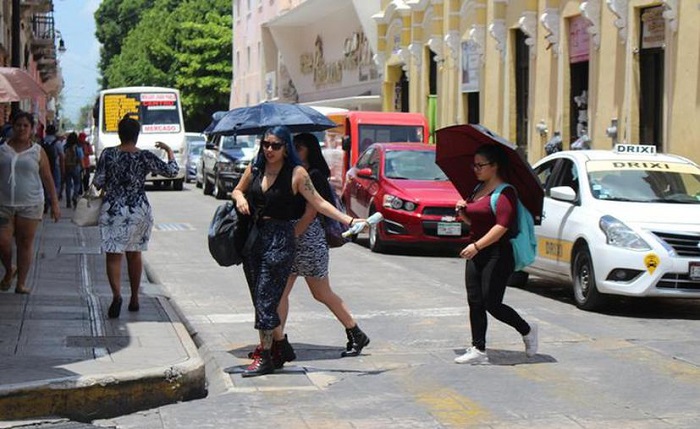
column 273, row 145
column 478, row 166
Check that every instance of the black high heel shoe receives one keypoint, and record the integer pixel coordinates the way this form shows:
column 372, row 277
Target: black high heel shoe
column 115, row 308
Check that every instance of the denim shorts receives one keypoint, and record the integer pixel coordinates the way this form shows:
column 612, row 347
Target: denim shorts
column 35, row 212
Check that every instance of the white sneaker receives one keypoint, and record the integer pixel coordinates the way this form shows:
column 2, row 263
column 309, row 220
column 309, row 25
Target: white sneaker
column 530, row 341
column 473, row 356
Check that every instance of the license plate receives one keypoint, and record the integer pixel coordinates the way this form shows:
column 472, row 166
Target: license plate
column 450, row 228
column 694, row 268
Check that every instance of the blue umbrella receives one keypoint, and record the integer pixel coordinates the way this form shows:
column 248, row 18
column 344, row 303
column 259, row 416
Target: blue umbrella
column 256, row 119
column 215, row 118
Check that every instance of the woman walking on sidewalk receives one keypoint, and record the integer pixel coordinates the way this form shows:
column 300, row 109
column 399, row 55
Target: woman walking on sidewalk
column 490, row 254
column 126, row 219
column 311, row 259
column 73, row 155
column 268, row 190
column 25, row 175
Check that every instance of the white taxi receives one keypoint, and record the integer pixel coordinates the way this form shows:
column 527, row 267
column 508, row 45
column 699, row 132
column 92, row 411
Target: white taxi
column 622, row 222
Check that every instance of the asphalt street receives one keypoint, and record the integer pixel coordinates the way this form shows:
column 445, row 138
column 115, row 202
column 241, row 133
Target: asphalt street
column 636, row 365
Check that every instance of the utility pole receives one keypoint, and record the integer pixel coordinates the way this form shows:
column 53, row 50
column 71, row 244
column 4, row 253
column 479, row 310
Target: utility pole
column 16, row 51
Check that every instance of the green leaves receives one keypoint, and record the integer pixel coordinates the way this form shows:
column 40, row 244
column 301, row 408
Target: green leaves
column 184, row 44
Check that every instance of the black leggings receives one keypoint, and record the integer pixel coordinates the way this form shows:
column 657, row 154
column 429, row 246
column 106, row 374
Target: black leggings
column 486, row 277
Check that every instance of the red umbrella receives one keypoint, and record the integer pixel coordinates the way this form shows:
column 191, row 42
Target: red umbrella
column 454, row 154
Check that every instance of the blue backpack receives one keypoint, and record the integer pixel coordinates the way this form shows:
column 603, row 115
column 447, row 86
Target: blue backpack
column 525, row 242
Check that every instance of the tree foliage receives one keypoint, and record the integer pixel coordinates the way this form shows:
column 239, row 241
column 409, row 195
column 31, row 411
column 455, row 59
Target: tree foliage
column 184, row 44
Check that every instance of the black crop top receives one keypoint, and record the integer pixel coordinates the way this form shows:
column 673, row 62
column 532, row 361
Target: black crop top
column 278, row 201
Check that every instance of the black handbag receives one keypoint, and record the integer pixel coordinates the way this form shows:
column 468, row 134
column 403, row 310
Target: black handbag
column 229, row 235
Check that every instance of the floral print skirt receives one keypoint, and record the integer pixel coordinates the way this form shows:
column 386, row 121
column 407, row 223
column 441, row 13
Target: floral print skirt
column 311, row 258
column 125, row 228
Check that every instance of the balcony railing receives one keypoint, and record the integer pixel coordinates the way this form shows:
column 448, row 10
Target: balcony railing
column 43, row 30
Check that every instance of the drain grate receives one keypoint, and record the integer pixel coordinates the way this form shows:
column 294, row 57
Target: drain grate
column 103, row 342
column 173, row 227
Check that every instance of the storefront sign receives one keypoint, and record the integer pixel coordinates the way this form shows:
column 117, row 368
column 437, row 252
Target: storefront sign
column 579, row 40
column 357, row 55
column 653, row 28
column 471, row 67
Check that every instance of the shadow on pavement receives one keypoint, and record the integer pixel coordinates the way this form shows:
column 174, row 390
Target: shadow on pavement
column 304, row 352
column 430, row 250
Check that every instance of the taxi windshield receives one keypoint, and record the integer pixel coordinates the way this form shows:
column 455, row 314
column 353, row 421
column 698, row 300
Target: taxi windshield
column 645, row 182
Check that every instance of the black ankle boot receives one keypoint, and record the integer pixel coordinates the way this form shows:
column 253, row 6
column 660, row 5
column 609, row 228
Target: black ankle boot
column 261, row 365
column 357, row 340
column 282, row 352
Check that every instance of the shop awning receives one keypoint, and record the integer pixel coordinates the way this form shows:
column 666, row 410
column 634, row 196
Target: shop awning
column 311, row 13
column 16, row 85
column 361, row 102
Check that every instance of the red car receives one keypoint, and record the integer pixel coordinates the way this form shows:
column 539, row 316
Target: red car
column 402, row 181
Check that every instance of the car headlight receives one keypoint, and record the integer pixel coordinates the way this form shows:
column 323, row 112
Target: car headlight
column 396, row 203
column 620, row 235
column 224, row 164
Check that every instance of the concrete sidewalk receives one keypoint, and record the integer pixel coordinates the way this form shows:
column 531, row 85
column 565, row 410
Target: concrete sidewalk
column 61, row 356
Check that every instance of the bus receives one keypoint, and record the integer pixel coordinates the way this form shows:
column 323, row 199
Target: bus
column 160, row 114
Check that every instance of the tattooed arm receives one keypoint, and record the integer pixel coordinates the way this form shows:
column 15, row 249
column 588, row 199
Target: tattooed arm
column 301, row 183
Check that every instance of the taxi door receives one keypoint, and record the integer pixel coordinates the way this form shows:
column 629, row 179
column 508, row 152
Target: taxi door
column 560, row 231
column 546, row 231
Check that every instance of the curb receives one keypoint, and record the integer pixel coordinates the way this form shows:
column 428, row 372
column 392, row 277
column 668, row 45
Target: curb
column 86, row 398
column 218, row 381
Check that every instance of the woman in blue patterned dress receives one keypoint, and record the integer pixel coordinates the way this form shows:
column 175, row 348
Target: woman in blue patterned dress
column 126, row 220
column 268, row 190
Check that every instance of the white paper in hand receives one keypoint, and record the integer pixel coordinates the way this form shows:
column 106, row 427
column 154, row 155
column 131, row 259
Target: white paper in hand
column 359, row 226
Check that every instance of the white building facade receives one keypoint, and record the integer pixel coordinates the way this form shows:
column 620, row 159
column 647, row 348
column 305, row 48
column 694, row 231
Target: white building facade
column 315, row 52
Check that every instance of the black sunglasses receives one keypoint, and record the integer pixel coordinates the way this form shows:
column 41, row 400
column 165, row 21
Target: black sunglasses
column 478, row 166
column 274, row 145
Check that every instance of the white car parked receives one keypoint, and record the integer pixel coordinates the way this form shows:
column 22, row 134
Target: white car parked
column 620, row 222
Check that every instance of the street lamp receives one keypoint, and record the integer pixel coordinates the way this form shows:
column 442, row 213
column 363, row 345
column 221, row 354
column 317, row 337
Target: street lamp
column 61, row 42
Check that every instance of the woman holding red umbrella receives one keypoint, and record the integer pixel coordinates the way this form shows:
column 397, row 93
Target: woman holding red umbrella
column 490, row 254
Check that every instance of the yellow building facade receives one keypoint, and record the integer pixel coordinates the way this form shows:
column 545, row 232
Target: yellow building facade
column 591, row 72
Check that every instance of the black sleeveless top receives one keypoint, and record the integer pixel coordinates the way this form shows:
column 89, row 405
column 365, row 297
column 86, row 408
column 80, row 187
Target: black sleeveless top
column 278, row 202
column 321, row 185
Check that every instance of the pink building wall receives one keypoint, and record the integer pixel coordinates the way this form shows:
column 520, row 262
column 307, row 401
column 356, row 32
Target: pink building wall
column 248, row 70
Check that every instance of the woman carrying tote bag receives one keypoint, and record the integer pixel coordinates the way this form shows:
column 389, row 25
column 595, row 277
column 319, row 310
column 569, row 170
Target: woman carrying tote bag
column 126, row 219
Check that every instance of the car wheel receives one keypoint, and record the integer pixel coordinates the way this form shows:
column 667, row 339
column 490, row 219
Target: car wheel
column 375, row 240
column 208, row 187
column 219, row 191
column 178, row 184
column 586, row 292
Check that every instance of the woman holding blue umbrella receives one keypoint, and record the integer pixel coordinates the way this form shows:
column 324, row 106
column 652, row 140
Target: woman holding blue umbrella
column 268, row 190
